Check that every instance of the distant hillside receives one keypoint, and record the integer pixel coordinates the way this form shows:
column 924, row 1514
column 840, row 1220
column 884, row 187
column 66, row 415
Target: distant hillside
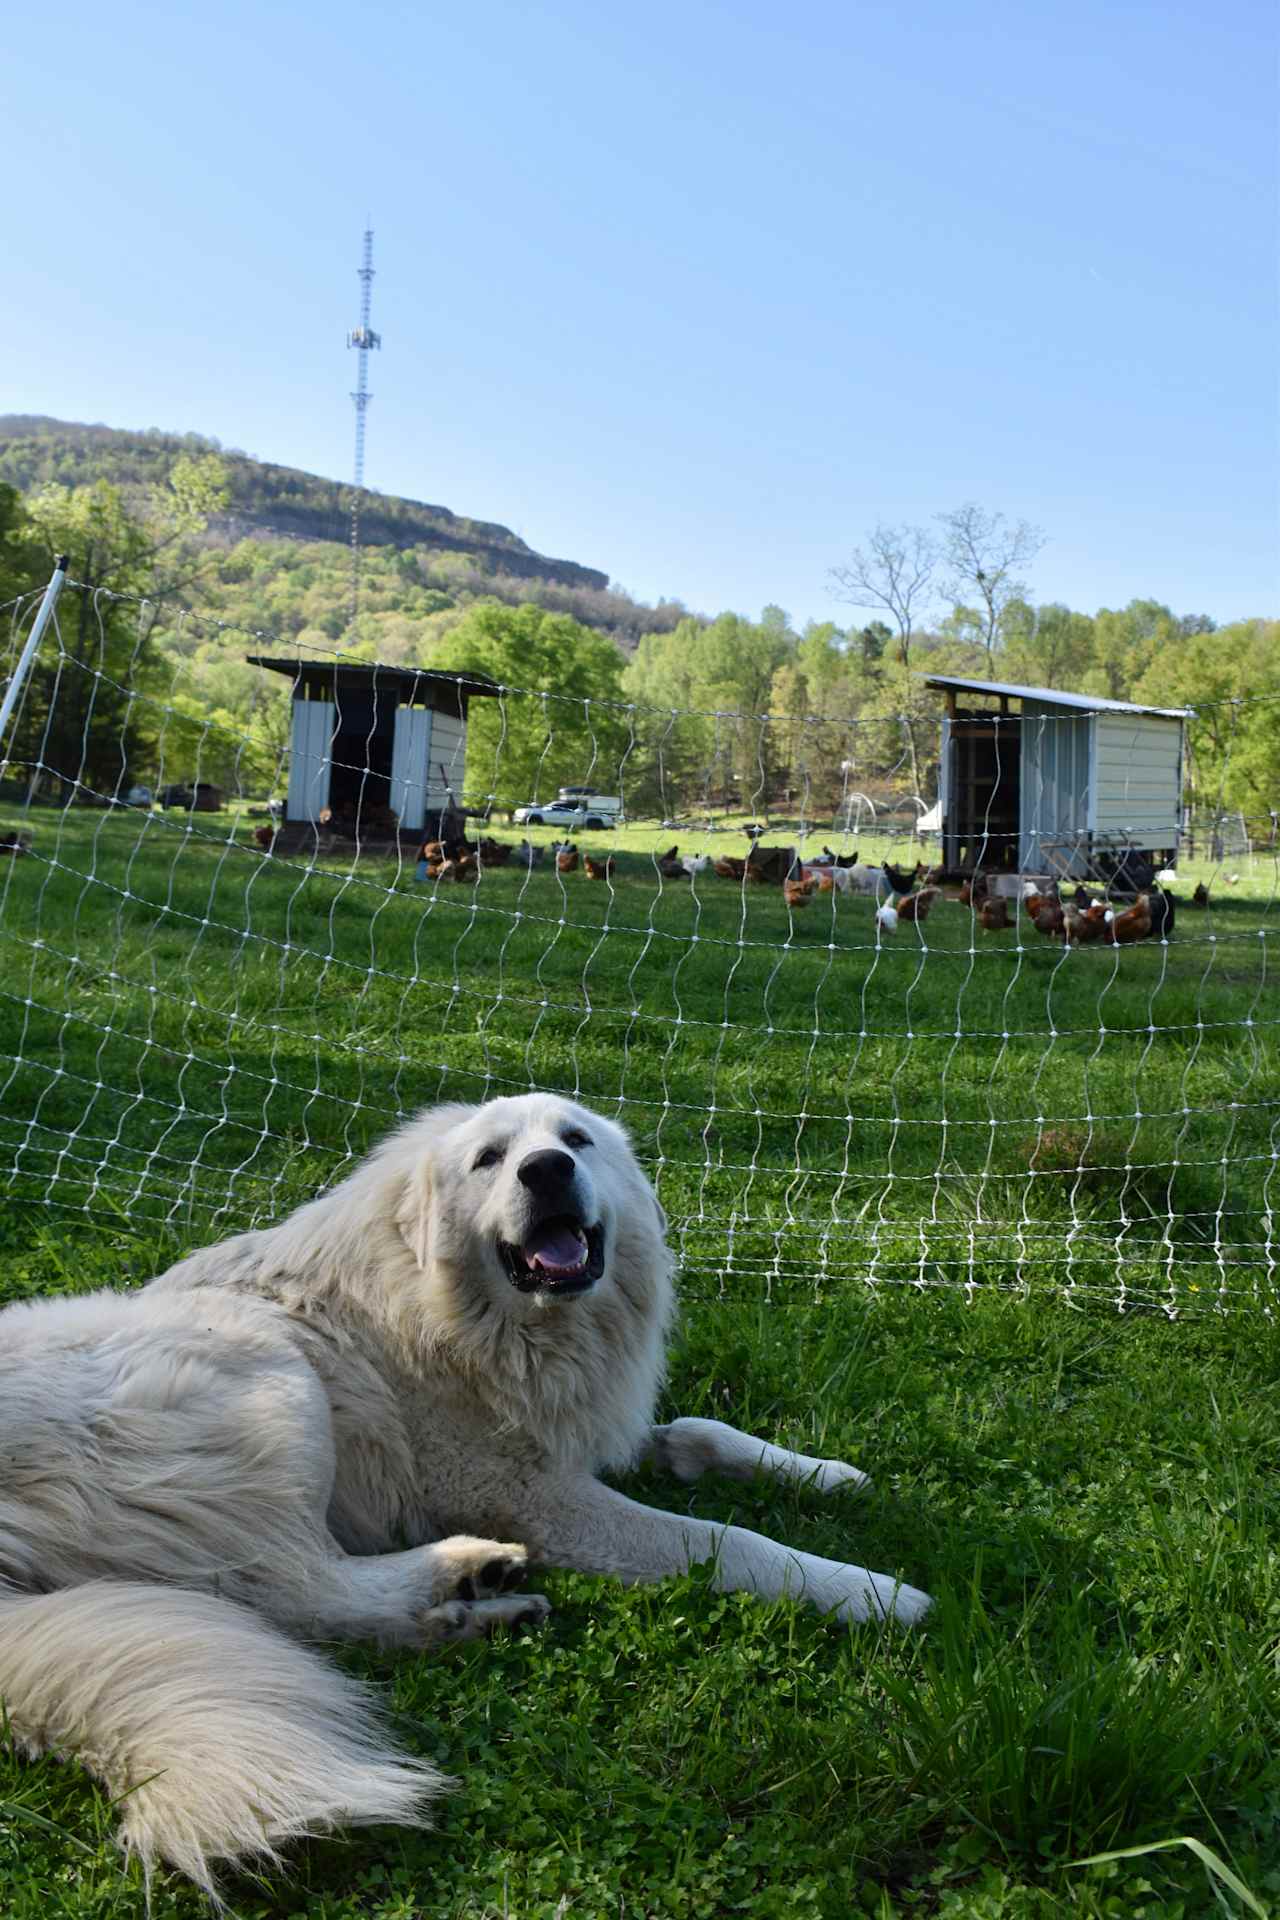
column 267, row 499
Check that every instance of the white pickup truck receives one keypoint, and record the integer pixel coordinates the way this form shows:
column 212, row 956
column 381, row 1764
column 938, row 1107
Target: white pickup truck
column 576, row 807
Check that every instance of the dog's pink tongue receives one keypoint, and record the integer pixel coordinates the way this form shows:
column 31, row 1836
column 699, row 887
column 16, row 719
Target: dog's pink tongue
column 555, row 1250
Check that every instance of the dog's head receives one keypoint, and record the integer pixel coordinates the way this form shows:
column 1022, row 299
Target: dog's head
column 535, row 1194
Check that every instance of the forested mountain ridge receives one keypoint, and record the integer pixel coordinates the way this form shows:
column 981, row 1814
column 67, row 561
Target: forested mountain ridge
column 264, row 498
column 698, row 709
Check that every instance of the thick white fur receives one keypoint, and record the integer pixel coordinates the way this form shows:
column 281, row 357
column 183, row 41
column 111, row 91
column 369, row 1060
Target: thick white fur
column 220, row 1736
column 246, row 1445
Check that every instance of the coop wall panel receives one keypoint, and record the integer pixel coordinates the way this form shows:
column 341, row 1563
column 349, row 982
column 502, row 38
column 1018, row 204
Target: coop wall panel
column 1054, row 795
column 311, row 738
column 446, row 764
column 410, row 755
column 1138, row 779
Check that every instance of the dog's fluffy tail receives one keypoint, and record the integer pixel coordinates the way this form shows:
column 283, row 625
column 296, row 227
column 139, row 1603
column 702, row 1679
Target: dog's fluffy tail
column 221, row 1738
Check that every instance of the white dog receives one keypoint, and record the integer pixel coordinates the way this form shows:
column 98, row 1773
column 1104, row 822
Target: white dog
column 452, row 1343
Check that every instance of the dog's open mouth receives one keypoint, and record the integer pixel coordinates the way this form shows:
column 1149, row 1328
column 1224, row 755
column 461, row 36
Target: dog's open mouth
column 560, row 1256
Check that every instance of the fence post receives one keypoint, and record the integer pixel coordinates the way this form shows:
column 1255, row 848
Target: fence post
column 44, row 614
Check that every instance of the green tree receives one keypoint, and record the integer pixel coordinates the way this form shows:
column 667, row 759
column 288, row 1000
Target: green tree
column 88, row 719
column 817, row 696
column 872, row 641
column 1047, row 646
column 21, row 560
column 562, row 718
column 705, row 718
column 1125, row 644
column 1232, row 680
column 673, row 765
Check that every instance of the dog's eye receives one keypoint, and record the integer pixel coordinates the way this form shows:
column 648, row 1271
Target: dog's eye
column 576, row 1138
column 488, row 1158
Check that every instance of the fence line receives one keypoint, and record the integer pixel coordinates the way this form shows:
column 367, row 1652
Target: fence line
column 206, row 1015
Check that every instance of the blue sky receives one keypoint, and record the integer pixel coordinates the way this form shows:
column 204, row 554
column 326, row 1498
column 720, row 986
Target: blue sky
column 695, row 294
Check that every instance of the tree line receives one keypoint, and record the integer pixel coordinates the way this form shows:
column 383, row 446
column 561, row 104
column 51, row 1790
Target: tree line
column 686, row 712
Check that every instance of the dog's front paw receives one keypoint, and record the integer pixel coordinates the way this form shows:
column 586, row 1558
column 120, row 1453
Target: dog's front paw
column 464, row 1568
column 459, row 1620
column 878, row 1596
column 833, row 1476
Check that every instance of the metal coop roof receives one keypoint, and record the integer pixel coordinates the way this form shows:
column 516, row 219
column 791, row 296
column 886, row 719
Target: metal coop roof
column 411, row 683
column 1052, row 697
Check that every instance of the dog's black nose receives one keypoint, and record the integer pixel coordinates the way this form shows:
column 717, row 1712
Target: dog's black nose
column 546, row 1170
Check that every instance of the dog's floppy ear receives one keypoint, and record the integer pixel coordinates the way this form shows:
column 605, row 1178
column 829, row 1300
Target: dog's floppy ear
column 623, row 1138
column 416, row 1148
column 413, row 1215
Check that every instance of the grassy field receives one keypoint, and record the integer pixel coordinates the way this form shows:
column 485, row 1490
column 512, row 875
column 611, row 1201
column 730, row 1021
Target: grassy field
column 910, row 1182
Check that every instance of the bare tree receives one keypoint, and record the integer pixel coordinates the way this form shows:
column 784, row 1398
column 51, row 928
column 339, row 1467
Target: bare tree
column 983, row 554
column 895, row 573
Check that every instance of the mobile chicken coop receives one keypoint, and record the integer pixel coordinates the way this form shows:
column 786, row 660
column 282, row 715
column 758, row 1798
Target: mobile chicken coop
column 375, row 750
column 1068, row 784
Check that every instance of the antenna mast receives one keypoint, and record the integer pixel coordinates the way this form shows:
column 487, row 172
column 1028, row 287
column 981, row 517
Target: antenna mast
column 365, row 341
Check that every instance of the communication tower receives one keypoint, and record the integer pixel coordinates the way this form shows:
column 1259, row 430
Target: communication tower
column 365, row 341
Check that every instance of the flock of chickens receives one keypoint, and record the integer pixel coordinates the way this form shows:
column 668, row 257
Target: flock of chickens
column 1081, row 918
column 1076, row 919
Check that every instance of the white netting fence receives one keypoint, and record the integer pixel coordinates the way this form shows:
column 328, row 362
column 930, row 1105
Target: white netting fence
column 209, row 1008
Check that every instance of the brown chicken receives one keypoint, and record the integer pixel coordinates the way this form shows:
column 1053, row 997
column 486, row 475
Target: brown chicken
column 566, row 859
column 1044, row 910
column 463, row 871
column 1124, row 929
column 757, row 874
column 729, row 868
column 975, row 891
column 915, row 906
column 798, row 893
column 598, row 869
column 671, row 868
column 493, row 853
column 1200, row 898
column 993, row 913
column 1082, row 924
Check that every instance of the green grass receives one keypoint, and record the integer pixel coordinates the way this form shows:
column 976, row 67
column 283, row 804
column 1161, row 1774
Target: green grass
column 872, row 1269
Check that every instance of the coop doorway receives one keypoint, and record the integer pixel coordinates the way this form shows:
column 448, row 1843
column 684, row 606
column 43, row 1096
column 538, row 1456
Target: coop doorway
column 984, row 787
column 363, row 742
